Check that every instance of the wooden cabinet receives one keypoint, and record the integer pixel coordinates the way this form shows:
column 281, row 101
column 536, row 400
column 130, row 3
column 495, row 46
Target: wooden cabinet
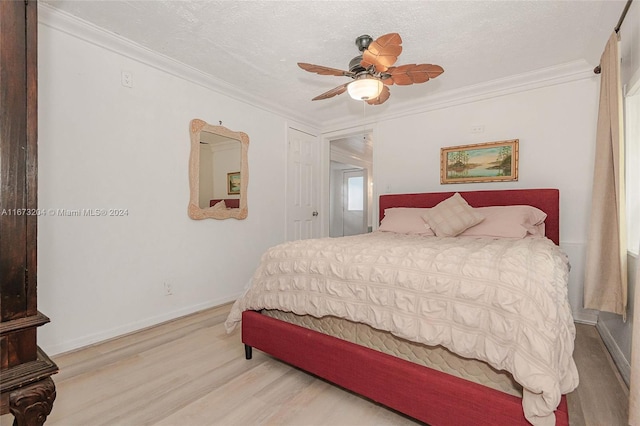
column 26, row 388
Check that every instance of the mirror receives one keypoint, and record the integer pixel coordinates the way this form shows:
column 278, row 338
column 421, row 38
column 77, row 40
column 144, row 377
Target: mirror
column 218, row 172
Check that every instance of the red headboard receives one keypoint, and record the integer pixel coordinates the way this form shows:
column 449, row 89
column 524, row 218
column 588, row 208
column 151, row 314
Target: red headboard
column 547, row 200
column 231, row 203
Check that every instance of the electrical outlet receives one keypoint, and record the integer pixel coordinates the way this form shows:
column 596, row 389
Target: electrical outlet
column 126, row 78
column 168, row 289
column 477, row 129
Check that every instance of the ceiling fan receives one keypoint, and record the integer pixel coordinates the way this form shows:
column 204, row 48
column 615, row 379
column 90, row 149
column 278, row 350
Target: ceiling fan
column 373, row 70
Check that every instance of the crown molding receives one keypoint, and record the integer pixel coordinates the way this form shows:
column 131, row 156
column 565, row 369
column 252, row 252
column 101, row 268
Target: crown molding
column 545, row 77
column 90, row 33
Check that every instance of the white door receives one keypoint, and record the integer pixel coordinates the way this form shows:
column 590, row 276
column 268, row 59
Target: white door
column 354, row 202
column 303, row 186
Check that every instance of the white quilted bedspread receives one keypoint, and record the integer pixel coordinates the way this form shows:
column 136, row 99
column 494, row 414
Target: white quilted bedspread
column 503, row 301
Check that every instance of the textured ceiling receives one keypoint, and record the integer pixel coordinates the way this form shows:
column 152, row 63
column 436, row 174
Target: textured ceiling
column 255, row 45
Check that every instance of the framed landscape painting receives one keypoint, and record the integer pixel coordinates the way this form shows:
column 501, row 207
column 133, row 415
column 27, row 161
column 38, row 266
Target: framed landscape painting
column 484, row 162
column 233, row 180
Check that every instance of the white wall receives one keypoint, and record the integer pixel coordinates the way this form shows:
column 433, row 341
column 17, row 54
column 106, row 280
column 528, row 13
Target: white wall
column 556, row 129
column 205, row 188
column 103, row 276
column 335, row 196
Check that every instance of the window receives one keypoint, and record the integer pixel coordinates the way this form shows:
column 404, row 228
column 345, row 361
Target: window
column 355, row 192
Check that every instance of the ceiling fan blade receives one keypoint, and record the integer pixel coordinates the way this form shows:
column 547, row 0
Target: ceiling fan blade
column 405, row 75
column 383, row 52
column 331, row 93
column 382, row 97
column 319, row 69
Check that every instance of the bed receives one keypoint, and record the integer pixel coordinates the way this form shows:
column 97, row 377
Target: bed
column 229, row 203
column 479, row 382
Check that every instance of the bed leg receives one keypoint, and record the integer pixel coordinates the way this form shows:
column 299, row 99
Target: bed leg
column 247, row 351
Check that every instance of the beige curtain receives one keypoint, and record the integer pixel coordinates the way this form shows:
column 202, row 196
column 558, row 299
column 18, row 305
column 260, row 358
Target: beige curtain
column 634, row 392
column 605, row 286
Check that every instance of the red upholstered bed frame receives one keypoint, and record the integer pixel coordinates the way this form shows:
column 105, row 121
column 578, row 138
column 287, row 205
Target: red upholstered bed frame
column 420, row 392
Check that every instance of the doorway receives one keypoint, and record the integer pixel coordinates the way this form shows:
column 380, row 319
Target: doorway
column 350, row 188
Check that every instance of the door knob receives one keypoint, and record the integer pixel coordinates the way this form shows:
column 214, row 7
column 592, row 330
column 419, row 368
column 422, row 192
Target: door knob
column 315, row 214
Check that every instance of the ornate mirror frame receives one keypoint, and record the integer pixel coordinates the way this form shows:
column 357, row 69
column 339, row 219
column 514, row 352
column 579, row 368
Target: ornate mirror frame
column 194, row 210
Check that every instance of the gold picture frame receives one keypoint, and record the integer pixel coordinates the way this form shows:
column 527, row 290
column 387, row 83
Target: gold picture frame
column 233, row 183
column 483, row 162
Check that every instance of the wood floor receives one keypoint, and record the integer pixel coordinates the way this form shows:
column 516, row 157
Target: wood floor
column 188, row 372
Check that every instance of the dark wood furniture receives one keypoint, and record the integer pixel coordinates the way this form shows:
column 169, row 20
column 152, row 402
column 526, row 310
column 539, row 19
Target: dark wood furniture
column 428, row 395
column 26, row 388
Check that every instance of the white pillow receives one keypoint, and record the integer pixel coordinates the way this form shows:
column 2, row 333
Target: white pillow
column 507, row 222
column 452, row 216
column 220, row 205
column 405, row 220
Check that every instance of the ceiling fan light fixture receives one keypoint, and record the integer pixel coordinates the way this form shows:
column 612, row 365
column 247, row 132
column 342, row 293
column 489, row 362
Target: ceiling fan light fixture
column 365, row 88
column 373, row 67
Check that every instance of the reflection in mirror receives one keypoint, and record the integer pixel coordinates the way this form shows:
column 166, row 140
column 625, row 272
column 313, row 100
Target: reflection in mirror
column 219, row 162
column 218, row 172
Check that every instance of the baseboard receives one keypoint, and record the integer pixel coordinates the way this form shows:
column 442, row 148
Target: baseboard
column 92, row 339
column 616, row 353
column 585, row 317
